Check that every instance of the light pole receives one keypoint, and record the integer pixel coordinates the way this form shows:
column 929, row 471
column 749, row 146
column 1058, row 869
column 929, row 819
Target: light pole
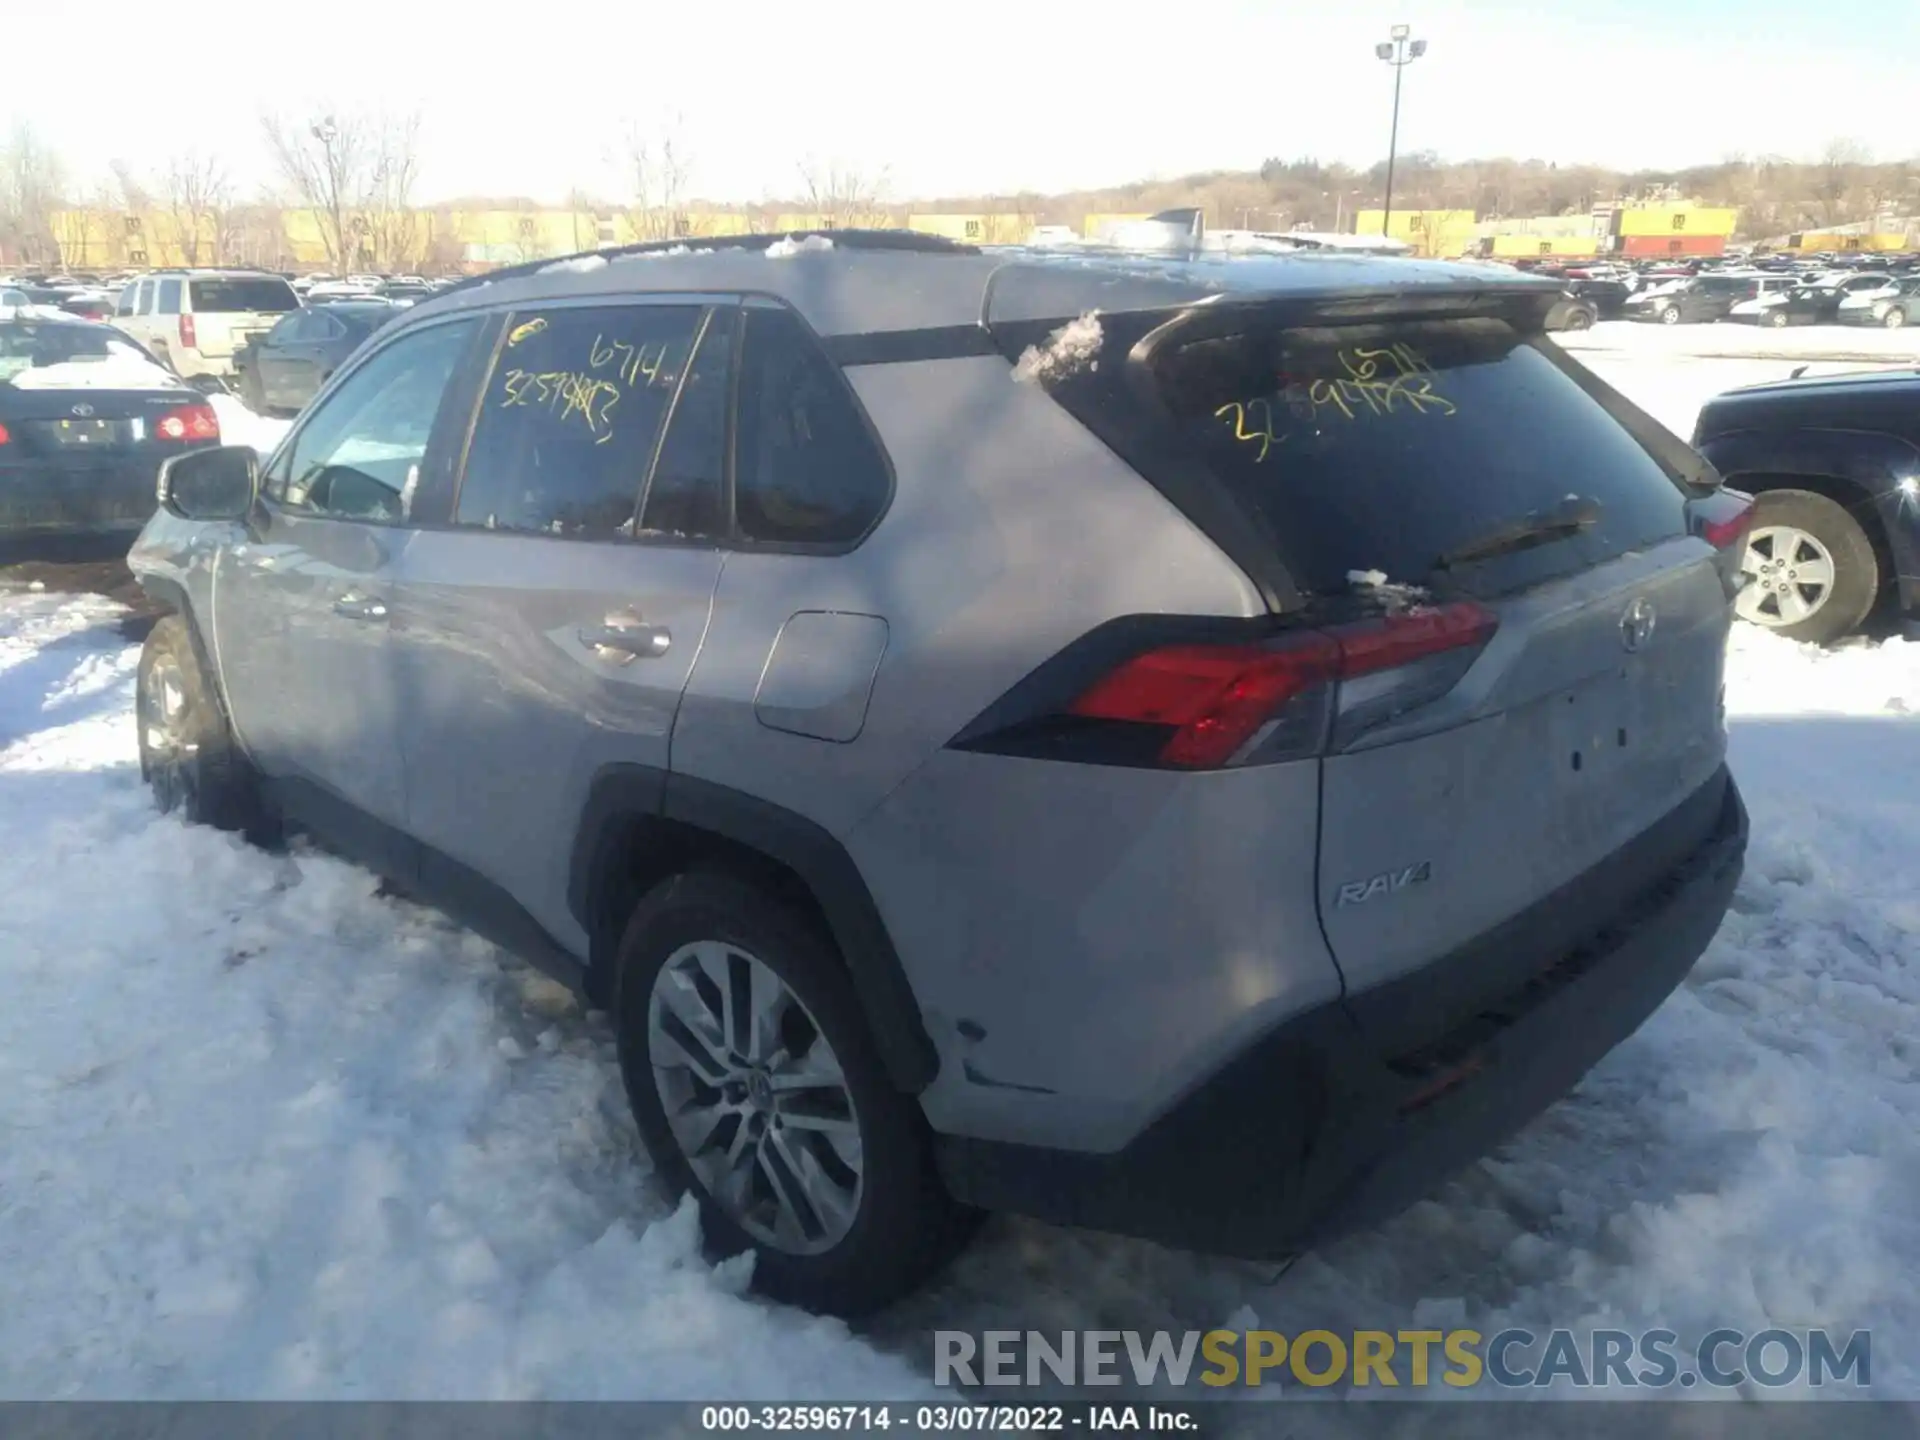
column 1399, row 52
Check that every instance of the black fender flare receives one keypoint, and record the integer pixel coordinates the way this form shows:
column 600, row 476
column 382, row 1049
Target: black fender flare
column 619, row 793
column 1870, row 463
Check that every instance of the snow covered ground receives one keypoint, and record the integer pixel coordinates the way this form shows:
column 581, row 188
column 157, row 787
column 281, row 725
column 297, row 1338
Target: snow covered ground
column 265, row 1132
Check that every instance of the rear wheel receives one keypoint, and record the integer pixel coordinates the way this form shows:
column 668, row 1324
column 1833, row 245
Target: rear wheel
column 1895, row 317
column 756, row 1086
column 1812, row 573
column 187, row 752
column 1580, row 320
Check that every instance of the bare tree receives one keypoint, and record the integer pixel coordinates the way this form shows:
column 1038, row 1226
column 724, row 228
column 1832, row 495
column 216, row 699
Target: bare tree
column 841, row 194
column 32, row 184
column 325, row 162
column 198, row 196
column 660, row 166
column 1834, row 178
column 395, row 234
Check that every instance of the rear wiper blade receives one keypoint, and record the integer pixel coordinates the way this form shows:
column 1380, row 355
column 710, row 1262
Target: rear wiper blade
column 1569, row 517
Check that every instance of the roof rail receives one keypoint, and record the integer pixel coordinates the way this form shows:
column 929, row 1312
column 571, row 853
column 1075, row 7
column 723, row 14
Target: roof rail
column 851, row 239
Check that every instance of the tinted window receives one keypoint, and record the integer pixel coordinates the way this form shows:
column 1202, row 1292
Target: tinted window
column 358, row 455
column 124, row 305
column 28, row 345
column 143, row 297
column 1381, row 448
column 806, row 469
column 686, row 496
column 264, row 296
column 568, row 422
column 287, row 331
column 169, row 303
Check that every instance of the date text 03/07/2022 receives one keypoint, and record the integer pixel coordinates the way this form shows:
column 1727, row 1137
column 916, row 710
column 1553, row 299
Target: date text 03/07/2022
column 946, row 1418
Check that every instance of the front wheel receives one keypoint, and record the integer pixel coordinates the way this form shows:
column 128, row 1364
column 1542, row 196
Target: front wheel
column 187, row 752
column 756, row 1086
column 1777, row 319
column 1670, row 315
column 1894, row 318
column 1811, row 571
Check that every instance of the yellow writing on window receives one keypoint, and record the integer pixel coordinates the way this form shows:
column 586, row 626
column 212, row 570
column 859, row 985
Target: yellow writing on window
column 631, row 362
column 1393, row 379
column 521, row 332
column 564, row 393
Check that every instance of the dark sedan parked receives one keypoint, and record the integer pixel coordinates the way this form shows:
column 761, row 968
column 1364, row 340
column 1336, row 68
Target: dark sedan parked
column 285, row 368
column 86, row 418
column 1704, row 299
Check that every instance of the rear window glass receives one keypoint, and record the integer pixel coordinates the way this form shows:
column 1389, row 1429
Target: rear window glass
column 30, row 346
column 1382, row 448
column 268, row 297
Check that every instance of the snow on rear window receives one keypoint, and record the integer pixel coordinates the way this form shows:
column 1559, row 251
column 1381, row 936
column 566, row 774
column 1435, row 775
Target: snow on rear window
column 1070, row 349
column 783, row 248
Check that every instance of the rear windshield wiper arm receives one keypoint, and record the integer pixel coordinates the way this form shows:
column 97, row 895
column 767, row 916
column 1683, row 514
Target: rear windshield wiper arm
column 1569, row 517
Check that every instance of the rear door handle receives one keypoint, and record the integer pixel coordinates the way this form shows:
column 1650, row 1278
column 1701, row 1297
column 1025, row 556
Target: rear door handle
column 627, row 641
column 359, row 607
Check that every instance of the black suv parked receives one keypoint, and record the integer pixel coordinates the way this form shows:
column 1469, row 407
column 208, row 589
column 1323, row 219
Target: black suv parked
column 1835, row 463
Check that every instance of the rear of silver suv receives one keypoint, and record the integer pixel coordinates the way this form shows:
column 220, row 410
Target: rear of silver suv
column 1192, row 749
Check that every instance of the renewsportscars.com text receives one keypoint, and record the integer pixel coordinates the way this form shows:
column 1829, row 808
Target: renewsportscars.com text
column 1510, row 1359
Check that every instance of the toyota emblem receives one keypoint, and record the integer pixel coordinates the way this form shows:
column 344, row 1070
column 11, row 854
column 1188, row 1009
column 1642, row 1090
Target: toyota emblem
column 83, row 410
column 1636, row 626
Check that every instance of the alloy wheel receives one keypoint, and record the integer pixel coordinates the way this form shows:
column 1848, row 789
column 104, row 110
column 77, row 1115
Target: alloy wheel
column 755, row 1097
column 1791, row 577
column 166, row 751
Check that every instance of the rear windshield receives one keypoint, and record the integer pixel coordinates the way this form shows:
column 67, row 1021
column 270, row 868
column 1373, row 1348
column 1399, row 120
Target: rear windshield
column 30, row 345
column 263, row 296
column 1382, row 448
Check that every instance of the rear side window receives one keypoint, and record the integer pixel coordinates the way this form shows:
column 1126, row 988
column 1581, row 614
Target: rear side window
column 242, row 296
column 1382, row 448
column 806, row 469
column 169, row 298
column 687, row 493
column 570, row 417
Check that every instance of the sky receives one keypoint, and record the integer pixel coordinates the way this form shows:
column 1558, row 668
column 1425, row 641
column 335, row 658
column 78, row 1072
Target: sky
column 989, row 95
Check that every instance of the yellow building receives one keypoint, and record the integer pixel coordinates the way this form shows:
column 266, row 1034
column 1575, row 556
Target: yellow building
column 1430, row 232
column 1829, row 241
column 1097, row 225
column 1679, row 218
column 975, row 229
column 1512, row 247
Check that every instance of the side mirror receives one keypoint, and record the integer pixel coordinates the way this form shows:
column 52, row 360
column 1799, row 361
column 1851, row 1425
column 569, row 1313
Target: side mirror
column 214, row 484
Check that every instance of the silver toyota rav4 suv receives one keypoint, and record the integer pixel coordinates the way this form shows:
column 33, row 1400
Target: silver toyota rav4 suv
column 1192, row 748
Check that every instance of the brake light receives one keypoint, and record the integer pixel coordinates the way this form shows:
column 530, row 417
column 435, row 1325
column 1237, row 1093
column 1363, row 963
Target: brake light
column 188, row 338
column 1227, row 704
column 189, row 422
column 1728, row 527
column 5, row 438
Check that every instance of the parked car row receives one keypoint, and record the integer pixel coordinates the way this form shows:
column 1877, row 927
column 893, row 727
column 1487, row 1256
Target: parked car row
column 1834, row 298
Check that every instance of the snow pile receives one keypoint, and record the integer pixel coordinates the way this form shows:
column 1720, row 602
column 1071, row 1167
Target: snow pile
column 656, row 254
column 240, row 426
column 1394, row 597
column 578, row 265
column 787, row 246
column 1070, row 349
column 123, row 368
column 268, row 1133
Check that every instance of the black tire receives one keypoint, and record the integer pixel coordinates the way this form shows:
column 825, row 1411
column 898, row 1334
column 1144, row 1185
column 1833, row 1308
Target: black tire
column 1580, row 320
column 1895, row 317
column 207, row 779
column 1856, row 568
column 906, row 1226
column 1670, row 315
column 1777, row 319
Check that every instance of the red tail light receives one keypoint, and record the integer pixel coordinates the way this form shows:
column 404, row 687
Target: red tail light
column 5, row 438
column 1226, row 704
column 188, row 339
column 1729, row 530
column 189, row 422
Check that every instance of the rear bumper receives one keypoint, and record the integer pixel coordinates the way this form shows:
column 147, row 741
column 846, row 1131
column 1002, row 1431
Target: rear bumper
column 97, row 499
column 1352, row 1111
